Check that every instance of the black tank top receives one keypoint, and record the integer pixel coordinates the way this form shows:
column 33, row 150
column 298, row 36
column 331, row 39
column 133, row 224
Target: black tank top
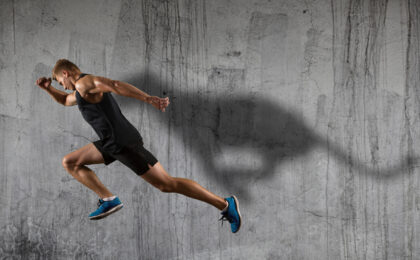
column 113, row 129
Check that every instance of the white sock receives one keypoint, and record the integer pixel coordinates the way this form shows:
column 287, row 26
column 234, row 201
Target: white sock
column 225, row 209
column 109, row 198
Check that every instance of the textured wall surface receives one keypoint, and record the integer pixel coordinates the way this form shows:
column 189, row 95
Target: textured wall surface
column 308, row 111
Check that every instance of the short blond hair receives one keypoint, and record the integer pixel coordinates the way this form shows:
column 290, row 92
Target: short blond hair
column 63, row 64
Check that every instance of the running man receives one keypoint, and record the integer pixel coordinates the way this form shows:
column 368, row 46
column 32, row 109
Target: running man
column 119, row 140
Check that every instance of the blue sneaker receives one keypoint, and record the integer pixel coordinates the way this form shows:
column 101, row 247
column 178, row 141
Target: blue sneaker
column 232, row 214
column 106, row 208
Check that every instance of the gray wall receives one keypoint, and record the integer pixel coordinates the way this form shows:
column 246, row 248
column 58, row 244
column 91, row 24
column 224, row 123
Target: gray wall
column 308, row 111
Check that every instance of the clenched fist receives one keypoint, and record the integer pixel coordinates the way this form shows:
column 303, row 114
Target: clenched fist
column 159, row 103
column 44, row 83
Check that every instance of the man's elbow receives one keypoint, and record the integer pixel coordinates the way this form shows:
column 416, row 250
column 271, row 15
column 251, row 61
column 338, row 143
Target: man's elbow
column 62, row 101
column 120, row 88
column 116, row 87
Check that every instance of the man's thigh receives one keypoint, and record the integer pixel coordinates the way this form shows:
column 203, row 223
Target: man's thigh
column 137, row 158
column 88, row 154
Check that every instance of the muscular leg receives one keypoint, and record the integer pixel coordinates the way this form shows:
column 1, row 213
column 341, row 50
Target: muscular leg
column 158, row 177
column 75, row 162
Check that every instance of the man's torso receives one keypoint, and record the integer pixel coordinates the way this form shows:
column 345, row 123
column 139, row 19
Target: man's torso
column 102, row 112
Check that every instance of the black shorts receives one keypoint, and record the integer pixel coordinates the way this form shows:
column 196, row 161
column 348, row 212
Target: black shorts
column 135, row 157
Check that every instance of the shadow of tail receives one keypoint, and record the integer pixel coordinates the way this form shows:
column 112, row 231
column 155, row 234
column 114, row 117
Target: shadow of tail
column 373, row 169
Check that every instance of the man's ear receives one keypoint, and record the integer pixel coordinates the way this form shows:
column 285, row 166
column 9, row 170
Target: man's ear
column 65, row 74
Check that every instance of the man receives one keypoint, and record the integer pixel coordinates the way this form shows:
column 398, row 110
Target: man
column 119, row 140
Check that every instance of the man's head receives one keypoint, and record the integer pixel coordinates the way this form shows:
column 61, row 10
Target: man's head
column 65, row 72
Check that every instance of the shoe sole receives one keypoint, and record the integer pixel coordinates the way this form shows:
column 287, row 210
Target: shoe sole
column 102, row 215
column 239, row 213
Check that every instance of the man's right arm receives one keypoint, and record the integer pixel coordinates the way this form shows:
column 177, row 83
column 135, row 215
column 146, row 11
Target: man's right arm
column 62, row 97
column 57, row 95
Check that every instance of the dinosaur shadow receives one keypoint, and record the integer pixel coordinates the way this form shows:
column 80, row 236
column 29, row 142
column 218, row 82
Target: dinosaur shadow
column 266, row 131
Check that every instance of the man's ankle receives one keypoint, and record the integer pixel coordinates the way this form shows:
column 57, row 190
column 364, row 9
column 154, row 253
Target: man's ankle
column 227, row 206
column 109, row 198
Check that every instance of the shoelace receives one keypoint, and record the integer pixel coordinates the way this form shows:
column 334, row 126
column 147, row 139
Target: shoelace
column 225, row 217
column 100, row 203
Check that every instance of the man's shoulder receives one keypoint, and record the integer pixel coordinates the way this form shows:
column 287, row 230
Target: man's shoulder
column 85, row 84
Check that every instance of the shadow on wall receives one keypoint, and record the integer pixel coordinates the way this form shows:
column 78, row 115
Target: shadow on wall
column 257, row 133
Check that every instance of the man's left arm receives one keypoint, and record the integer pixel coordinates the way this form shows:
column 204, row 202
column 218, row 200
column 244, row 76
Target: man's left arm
column 103, row 84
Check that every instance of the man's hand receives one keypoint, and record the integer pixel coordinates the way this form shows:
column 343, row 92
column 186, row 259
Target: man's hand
column 159, row 103
column 44, row 83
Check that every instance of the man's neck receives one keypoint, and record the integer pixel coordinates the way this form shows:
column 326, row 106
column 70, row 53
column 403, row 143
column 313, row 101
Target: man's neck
column 75, row 77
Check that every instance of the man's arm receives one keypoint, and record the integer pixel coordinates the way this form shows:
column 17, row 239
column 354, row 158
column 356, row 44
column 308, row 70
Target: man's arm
column 59, row 96
column 71, row 99
column 118, row 87
column 125, row 89
column 62, row 97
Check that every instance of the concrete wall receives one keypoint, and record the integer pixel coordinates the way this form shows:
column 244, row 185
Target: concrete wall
column 308, row 111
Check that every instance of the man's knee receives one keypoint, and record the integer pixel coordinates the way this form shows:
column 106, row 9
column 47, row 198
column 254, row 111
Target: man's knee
column 69, row 163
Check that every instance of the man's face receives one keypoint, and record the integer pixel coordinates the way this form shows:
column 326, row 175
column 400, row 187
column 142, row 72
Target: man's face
column 64, row 80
